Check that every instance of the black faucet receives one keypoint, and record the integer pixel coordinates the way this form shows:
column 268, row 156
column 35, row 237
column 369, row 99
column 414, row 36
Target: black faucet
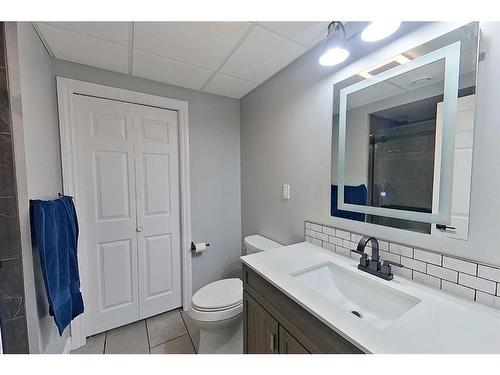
column 373, row 265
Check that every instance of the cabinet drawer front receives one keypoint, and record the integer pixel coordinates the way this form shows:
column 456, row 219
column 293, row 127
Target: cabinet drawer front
column 313, row 334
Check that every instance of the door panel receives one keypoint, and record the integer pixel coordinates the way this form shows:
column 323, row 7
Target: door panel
column 112, row 188
column 158, row 210
column 115, row 265
column 289, row 344
column 107, row 216
column 260, row 329
column 159, row 259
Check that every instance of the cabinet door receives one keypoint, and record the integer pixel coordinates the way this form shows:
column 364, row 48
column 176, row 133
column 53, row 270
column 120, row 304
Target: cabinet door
column 289, row 344
column 260, row 330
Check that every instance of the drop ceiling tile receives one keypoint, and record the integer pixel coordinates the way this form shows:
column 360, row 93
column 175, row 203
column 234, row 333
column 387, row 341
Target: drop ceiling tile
column 82, row 49
column 116, row 32
column 305, row 33
column 204, row 44
column 222, row 84
column 161, row 69
column 261, row 55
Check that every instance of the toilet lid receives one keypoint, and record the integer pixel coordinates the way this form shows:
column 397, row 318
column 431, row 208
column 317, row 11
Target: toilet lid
column 219, row 295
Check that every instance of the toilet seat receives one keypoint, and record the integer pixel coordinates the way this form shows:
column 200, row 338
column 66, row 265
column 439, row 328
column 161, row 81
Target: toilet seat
column 220, row 300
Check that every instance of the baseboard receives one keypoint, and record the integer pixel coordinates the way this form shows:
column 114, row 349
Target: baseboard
column 67, row 346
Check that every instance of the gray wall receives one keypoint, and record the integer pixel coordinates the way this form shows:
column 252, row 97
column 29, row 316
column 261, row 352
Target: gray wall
column 214, row 137
column 286, row 138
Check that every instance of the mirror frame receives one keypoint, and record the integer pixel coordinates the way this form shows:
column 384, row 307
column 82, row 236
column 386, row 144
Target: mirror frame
column 451, row 56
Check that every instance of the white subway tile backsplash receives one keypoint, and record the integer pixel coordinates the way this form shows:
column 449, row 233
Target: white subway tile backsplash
column 342, row 234
column 458, row 290
column 488, row 300
column 343, row 251
column 385, row 255
column 355, row 256
column 457, row 276
column 316, row 227
column 459, row 265
column 356, row 237
column 328, row 230
column 404, row 272
column 310, row 233
column 329, row 246
column 414, row 264
column 477, row 283
column 322, row 236
column 383, row 245
column 349, row 245
column 442, row 273
column 427, row 256
column 335, row 240
column 427, row 279
column 488, row 273
column 401, row 250
column 316, row 241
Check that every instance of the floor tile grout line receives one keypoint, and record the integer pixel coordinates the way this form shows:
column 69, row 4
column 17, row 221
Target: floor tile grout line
column 105, row 341
column 189, row 333
column 178, row 337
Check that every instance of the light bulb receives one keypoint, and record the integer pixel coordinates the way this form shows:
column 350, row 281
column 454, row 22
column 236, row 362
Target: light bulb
column 379, row 30
column 333, row 56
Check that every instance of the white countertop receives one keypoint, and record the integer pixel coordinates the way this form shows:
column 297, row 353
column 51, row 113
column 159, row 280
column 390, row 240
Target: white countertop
column 440, row 323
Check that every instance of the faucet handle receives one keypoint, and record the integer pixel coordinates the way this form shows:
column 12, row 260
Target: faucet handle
column 385, row 269
column 391, row 263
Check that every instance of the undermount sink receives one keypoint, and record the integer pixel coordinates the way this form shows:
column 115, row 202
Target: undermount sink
column 368, row 300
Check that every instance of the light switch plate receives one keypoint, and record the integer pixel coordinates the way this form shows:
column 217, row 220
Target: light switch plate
column 286, row 191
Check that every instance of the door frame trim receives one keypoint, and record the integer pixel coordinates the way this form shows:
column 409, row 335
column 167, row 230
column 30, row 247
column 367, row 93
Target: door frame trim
column 66, row 91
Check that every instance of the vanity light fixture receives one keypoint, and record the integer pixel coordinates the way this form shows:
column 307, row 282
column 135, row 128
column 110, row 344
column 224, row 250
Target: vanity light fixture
column 334, row 51
column 379, row 30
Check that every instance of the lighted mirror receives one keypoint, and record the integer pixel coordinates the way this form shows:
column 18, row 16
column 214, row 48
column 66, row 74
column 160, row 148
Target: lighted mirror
column 402, row 138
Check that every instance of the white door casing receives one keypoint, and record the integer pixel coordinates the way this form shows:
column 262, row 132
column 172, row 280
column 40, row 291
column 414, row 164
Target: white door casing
column 68, row 92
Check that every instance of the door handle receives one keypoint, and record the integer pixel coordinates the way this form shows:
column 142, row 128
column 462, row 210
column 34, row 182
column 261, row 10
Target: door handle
column 140, row 228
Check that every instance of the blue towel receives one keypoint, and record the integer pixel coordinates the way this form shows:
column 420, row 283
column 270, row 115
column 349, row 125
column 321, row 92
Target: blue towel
column 54, row 233
column 353, row 195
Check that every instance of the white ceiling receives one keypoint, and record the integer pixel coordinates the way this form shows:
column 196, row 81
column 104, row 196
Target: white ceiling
column 224, row 58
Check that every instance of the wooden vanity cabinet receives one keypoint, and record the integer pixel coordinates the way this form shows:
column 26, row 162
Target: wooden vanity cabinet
column 275, row 324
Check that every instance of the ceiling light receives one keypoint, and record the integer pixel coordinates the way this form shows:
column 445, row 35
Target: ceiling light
column 334, row 51
column 379, row 30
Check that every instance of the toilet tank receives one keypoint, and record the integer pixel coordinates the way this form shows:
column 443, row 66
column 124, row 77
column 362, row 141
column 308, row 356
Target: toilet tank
column 257, row 243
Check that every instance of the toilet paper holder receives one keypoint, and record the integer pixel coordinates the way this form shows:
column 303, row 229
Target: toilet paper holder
column 193, row 246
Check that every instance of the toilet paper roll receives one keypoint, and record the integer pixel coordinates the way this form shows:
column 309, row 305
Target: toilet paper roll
column 199, row 247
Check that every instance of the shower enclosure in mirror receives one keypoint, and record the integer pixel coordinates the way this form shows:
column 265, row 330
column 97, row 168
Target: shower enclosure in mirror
column 402, row 138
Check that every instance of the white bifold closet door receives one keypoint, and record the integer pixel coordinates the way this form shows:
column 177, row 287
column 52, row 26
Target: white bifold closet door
column 128, row 180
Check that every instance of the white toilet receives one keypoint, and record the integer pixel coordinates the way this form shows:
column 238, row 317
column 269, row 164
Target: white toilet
column 217, row 308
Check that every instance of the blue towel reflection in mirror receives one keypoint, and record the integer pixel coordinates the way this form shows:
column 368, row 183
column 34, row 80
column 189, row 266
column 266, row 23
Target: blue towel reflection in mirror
column 353, row 195
column 54, row 235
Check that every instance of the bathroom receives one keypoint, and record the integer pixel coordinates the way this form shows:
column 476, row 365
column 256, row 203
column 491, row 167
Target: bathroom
column 258, row 185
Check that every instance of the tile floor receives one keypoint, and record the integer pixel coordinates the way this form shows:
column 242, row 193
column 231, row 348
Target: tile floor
column 172, row 332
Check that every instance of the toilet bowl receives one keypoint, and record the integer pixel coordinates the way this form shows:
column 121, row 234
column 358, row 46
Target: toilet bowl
column 217, row 308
